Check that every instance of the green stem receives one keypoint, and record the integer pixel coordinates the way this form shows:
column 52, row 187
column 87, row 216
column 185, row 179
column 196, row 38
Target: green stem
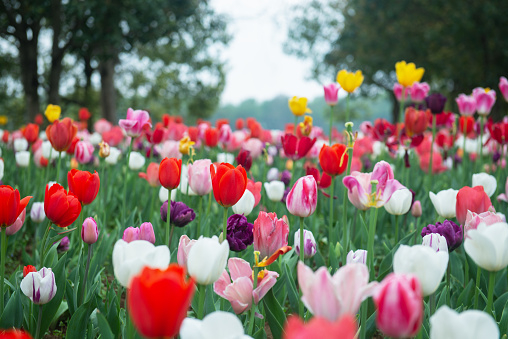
column 43, row 244
column 345, row 238
column 296, row 123
column 492, row 281
column 363, row 319
column 330, row 223
column 39, row 320
column 206, row 233
column 347, row 108
column 168, row 221
column 2, row 268
column 476, row 291
column 201, row 304
column 124, row 210
column 200, row 212
column 480, row 162
column 302, row 258
column 401, row 104
column 58, row 168
column 370, row 245
column 253, row 308
column 464, row 154
column 225, row 225
column 85, row 278
column 331, row 124
column 448, row 282
column 432, row 145
column 432, row 301
column 396, row 229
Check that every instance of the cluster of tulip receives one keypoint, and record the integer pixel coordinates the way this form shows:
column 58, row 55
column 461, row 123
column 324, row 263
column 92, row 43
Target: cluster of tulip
column 416, row 269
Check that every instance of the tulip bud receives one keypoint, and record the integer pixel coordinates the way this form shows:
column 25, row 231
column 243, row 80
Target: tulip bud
column 37, row 212
column 114, row 154
column 63, row 246
column 488, row 182
column 207, row 260
column 104, row 150
column 309, row 243
column 273, row 174
column 130, row 234
column 184, row 246
column 27, row 269
column 435, row 241
column 302, row 199
column 146, row 232
column 239, row 232
column 245, row 205
column 486, row 245
column 274, row 190
column 89, row 231
column 180, row 214
column 40, row 286
column 448, row 229
column 359, row 256
column 400, row 202
column 416, row 210
column 285, row 177
column 20, row 145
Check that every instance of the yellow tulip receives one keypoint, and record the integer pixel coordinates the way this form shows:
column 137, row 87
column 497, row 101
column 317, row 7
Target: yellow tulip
column 53, row 112
column 298, row 106
column 349, row 81
column 306, row 126
column 185, row 145
column 3, row 120
column 408, row 74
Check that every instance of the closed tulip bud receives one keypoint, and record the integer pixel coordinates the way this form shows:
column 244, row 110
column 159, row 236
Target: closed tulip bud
column 136, row 161
column 39, row 286
column 274, row 190
column 130, row 234
column 331, row 94
column 207, row 260
column 53, row 112
column 146, row 232
column 309, row 244
column 436, row 102
column 435, row 241
column 214, row 325
column 37, row 212
column 419, row 91
column 467, row 105
column 170, row 172
column 416, row 210
column 199, row 176
column 400, row 202
column 245, row 205
column 487, row 181
column 285, row 177
column 84, row 185
column 473, row 199
column 485, row 99
column 486, row 245
column 184, row 246
column 90, row 231
column 61, row 133
column 444, row 202
column 245, row 159
column 104, row 150
column 359, row 256
column 471, row 324
column 229, row 183
column 64, row 244
column 333, row 159
column 22, row 158
column 302, row 199
column 181, row 214
column 83, row 152
column 113, row 156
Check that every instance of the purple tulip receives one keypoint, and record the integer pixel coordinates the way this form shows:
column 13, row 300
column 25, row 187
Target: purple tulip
column 181, row 214
column 285, row 177
column 63, row 246
column 436, row 102
column 240, row 233
column 448, row 229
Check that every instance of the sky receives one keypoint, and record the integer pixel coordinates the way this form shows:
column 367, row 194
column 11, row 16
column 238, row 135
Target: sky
column 257, row 66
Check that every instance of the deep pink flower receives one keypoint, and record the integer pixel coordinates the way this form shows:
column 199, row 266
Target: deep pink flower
column 419, row 91
column 134, row 122
column 331, row 94
column 467, row 104
column 397, row 91
column 503, row 87
column 270, row 233
column 83, row 152
column 302, row 199
column 485, row 99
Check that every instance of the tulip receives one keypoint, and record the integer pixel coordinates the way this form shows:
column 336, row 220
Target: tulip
column 272, row 174
column 218, row 324
column 334, row 159
column 398, row 89
column 16, row 226
column 503, row 87
column 274, row 190
column 164, row 195
column 473, row 220
column 485, row 99
column 48, row 151
column 408, row 74
column 317, row 327
column 211, row 137
column 295, row 148
column 245, row 159
column 2, row 166
column 415, row 122
column 435, row 241
column 20, row 144
column 331, row 94
column 285, row 177
column 225, row 157
column 416, row 209
column 302, row 199
column 10, row 205
column 332, row 297
column 255, row 189
column 399, row 304
column 158, row 300
column 470, row 324
column 180, row 214
column 184, row 246
column 63, row 245
column 270, row 233
column 349, row 81
column 114, row 154
column 444, row 202
column 298, row 106
column 15, row 334
column 84, row 185
column 52, row 112
column 39, row 286
column 488, row 182
column 130, row 234
column 22, row 158
column 436, row 102
column 448, row 229
column 130, row 258
column 207, row 259
column 199, row 176
column 27, row 269
column 89, row 231
column 83, row 152
column 229, row 183
column 151, row 175
column 60, row 206
column 61, row 134
column 134, row 122
column 466, row 125
column 467, row 104
column 240, row 291
column 419, row 91
column 136, row 161
column 400, row 202
column 359, row 256
column 486, row 246
column 239, row 232
column 246, row 204
column 309, row 244
column 473, row 199
column 170, row 172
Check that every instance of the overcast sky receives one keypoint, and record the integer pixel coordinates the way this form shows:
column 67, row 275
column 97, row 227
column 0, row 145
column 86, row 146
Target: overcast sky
column 257, row 66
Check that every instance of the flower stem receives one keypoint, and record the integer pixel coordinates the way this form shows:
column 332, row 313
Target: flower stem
column 432, row 145
column 432, row 301
column 168, row 221
column 253, row 308
column 464, row 154
column 2, row 268
column 43, row 245
column 330, row 223
column 345, row 238
column 331, row 124
column 124, row 210
column 396, row 229
column 225, row 225
column 492, row 281
column 476, row 291
column 363, row 320
column 370, row 245
column 481, row 143
column 85, row 278
column 347, row 108
column 201, row 303
column 58, row 168
column 39, row 320
column 200, row 212
column 296, row 123
column 302, row 258
column 401, row 104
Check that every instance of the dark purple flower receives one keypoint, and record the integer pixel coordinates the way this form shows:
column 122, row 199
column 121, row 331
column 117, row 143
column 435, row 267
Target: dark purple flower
column 240, row 233
column 244, row 158
column 436, row 102
column 285, row 177
column 496, row 156
column 448, row 229
column 286, row 192
column 181, row 214
column 63, row 246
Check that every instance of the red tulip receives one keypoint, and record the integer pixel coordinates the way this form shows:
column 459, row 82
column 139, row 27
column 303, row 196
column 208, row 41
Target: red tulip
column 333, row 159
column 61, row 134
column 211, row 137
column 322, row 328
column 170, row 171
column 151, row 175
column 239, row 124
column 10, row 205
column 193, row 132
column 84, row 114
column 444, row 139
column 155, row 137
column 27, row 269
column 14, row 334
column 31, row 133
column 61, row 208
column 84, row 185
column 5, row 137
column 466, row 122
column 382, row 130
column 221, row 122
column 473, row 199
column 245, row 159
column 229, row 183
column 323, row 181
column 415, row 121
column 72, row 147
column 499, row 132
column 39, row 119
column 158, row 301
column 113, row 137
column 295, row 148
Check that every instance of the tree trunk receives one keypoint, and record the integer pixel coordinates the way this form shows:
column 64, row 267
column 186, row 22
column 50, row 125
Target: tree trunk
column 29, row 75
column 108, row 92
column 57, row 54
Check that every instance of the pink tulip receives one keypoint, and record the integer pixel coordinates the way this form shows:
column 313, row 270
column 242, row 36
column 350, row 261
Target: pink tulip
column 399, row 304
column 332, row 297
column 255, row 189
column 83, row 152
column 503, row 87
column 102, row 126
column 419, row 91
column 270, row 233
column 184, row 247
column 239, row 288
column 485, row 99
column 169, row 149
column 131, row 234
column 151, row 175
column 143, row 232
column 17, row 224
column 474, row 219
column 134, row 122
column 397, row 91
column 360, row 187
column 331, row 94
column 200, row 181
column 467, row 104
column 254, row 146
column 302, row 199
column 225, row 134
column 504, row 196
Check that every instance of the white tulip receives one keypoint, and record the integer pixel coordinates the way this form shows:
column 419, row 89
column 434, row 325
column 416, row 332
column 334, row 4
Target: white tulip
column 435, row 241
column 130, row 258
column 444, row 202
column 471, row 324
column 1, row 168
column 184, row 187
column 487, row 246
column 246, row 204
column 164, row 194
column 273, row 174
column 95, row 138
column 20, row 144
column 22, row 158
column 136, row 161
column 309, row 243
column 400, row 202
column 48, row 150
column 207, row 260
column 114, row 154
column 43, row 136
column 428, row 265
column 225, row 157
column 359, row 256
column 37, row 212
column 1, row 137
column 488, row 182
column 218, row 324
column 274, row 190
column 40, row 286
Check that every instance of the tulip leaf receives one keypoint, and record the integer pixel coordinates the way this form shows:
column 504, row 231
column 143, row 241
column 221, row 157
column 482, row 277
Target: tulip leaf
column 50, row 309
column 113, row 318
column 13, row 312
column 500, row 303
column 457, row 267
column 291, row 288
column 503, row 324
column 274, row 314
column 79, row 321
column 69, row 294
column 442, row 297
column 104, row 328
column 466, row 295
column 209, row 302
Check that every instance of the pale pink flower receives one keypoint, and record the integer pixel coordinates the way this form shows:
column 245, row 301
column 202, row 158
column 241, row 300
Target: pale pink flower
column 270, row 233
column 134, row 122
column 485, row 99
column 254, row 146
column 184, row 247
column 474, row 219
column 200, row 181
column 83, row 152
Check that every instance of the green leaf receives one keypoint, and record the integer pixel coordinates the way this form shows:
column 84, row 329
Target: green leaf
column 503, row 324
column 274, row 314
column 50, row 309
column 13, row 312
column 291, row 288
column 104, row 328
column 500, row 303
column 466, row 295
column 79, row 321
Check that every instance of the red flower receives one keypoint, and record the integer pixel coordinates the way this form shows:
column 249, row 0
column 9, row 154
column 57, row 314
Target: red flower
column 229, row 183
column 437, row 162
column 445, row 119
column 499, row 132
column 84, row 185
column 61, row 208
column 211, row 137
column 323, row 181
column 27, row 269
column 158, row 301
column 31, row 133
column 61, row 134
column 333, row 159
column 244, row 158
column 415, row 121
column 295, row 148
column 84, row 114
column 155, row 137
column 444, row 139
column 114, row 136
column 38, row 119
column 383, row 130
column 221, row 122
column 466, row 122
column 72, row 147
column 10, row 205
column 5, row 137
column 151, row 175
column 14, row 334
column 322, row 328
column 255, row 189
column 473, row 199
column 239, row 124
column 193, row 132
column 170, row 170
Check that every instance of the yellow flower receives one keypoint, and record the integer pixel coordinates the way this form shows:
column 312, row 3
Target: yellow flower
column 185, row 145
column 349, row 81
column 3, row 120
column 53, row 112
column 306, row 126
column 298, row 106
column 408, row 74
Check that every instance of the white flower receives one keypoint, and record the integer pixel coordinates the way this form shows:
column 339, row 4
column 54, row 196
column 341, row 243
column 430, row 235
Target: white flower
column 130, row 258
column 114, row 154
column 246, row 204
column 20, row 144
column 309, row 243
column 471, row 324
column 22, row 158
column 40, row 286
column 37, row 212
column 400, row 202
column 1, row 168
column 136, row 161
column 274, row 190
column 218, row 324
column 47, row 149
column 95, row 138
column 164, row 193
column 428, row 265
column 435, row 241
column 359, row 256
column 444, row 202
column 43, row 136
column 207, row 260
column 273, row 174
column 487, row 246
column 225, row 157
column 488, row 182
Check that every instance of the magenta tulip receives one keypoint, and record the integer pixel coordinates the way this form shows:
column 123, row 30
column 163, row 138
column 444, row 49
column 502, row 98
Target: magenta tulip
column 270, row 233
column 397, row 91
column 503, row 87
column 302, row 199
column 419, row 91
column 331, row 94
column 134, row 122
column 485, row 99
column 467, row 104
